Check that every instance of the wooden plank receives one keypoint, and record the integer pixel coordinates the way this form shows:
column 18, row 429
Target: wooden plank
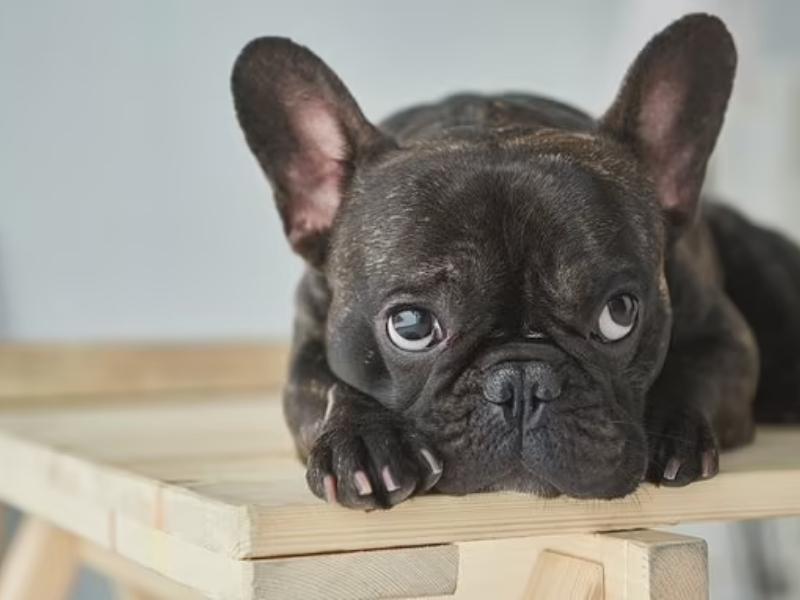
column 41, row 564
column 162, row 566
column 632, row 565
column 62, row 372
column 423, row 571
column 298, row 528
column 390, row 573
column 662, row 566
column 561, row 577
column 211, row 573
column 131, row 580
column 222, row 476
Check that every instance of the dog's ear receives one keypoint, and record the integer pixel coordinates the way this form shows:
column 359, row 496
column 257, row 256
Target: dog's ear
column 307, row 133
column 671, row 106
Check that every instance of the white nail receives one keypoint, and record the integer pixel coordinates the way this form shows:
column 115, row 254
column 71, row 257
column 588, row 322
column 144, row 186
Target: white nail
column 673, row 466
column 388, row 481
column 436, row 468
column 362, row 483
column 329, row 407
column 708, row 463
column 329, row 485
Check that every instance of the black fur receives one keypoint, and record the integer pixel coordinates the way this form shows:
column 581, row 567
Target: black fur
column 514, row 219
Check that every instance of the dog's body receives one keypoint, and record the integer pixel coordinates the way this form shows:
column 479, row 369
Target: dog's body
column 504, row 293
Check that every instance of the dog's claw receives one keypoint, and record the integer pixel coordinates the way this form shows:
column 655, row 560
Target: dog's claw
column 329, row 486
column 710, row 464
column 388, row 480
column 371, row 464
column 362, row 483
column 435, row 465
column 672, row 468
column 683, row 449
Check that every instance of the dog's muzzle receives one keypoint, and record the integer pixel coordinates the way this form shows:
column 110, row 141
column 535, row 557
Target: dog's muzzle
column 519, row 385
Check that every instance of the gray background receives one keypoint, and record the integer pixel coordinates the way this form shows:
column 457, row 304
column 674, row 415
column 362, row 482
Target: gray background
column 131, row 209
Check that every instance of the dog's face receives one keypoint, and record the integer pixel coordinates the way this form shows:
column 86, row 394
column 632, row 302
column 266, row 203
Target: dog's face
column 511, row 302
column 504, row 291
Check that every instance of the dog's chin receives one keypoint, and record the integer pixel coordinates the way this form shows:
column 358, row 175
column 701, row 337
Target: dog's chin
column 525, row 482
column 581, row 454
column 607, row 461
column 596, row 488
column 519, row 481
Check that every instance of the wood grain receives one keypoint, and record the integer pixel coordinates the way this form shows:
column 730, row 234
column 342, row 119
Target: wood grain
column 66, row 372
column 629, row 563
column 176, row 459
column 561, row 577
column 423, row 571
column 222, row 475
column 389, row 573
column 662, row 566
column 132, row 581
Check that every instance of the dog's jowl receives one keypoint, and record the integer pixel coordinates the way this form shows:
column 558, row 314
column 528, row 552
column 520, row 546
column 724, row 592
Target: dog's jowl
column 504, row 293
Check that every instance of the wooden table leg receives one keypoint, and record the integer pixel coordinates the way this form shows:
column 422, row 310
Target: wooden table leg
column 630, row 565
column 661, row 566
column 559, row 576
column 41, row 563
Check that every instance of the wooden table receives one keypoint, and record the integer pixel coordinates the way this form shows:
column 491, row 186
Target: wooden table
column 203, row 490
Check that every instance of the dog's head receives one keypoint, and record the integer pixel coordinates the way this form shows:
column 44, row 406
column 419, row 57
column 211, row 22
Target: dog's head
column 503, row 289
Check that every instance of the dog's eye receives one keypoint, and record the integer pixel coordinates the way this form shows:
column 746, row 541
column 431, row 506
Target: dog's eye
column 618, row 318
column 413, row 329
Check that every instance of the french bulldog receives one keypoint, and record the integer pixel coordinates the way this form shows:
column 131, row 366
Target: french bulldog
column 504, row 293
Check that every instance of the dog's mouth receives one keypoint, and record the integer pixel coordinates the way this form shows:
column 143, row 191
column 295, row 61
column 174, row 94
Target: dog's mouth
column 588, row 455
column 582, row 448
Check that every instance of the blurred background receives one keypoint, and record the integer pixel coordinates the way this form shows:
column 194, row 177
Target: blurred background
column 130, row 208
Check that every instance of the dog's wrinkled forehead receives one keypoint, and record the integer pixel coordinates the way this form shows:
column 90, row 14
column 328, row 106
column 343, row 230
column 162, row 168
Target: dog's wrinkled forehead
column 471, row 212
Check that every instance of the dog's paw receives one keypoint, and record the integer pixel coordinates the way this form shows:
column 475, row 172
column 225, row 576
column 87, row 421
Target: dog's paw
column 683, row 449
column 372, row 461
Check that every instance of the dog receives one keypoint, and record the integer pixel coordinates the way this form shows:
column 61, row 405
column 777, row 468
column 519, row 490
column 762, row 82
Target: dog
column 504, row 293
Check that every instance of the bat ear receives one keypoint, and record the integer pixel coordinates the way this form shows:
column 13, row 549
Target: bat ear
column 307, row 133
column 671, row 105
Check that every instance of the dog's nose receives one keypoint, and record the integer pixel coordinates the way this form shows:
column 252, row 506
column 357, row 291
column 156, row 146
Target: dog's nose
column 517, row 383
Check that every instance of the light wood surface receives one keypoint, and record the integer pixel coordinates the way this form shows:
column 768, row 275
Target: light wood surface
column 425, row 571
column 417, row 572
column 169, row 468
column 562, row 577
column 132, row 581
column 56, row 373
column 221, row 474
column 631, row 565
column 661, row 566
column 208, row 493
column 41, row 565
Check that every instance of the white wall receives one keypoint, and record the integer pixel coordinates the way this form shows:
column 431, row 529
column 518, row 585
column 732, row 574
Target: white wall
column 130, row 207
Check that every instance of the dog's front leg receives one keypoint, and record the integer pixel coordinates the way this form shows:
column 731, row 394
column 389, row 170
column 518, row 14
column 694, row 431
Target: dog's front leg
column 358, row 452
column 702, row 400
